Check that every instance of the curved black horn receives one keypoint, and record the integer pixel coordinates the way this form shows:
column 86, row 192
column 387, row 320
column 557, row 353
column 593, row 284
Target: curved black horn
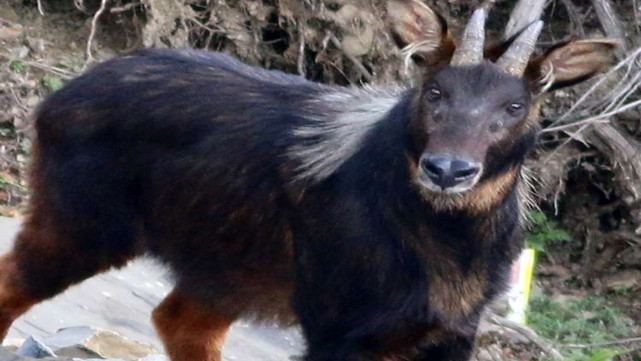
column 471, row 49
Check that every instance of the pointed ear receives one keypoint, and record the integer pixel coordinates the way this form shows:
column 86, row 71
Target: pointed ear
column 421, row 32
column 571, row 63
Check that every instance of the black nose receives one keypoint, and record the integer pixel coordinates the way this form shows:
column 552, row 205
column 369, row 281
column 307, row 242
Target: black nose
column 447, row 171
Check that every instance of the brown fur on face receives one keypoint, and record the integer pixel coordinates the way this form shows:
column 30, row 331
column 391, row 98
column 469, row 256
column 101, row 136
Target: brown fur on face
column 479, row 200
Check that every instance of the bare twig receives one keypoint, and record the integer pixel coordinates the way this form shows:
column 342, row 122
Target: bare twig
column 126, row 7
column 626, row 76
column 40, row 9
column 637, row 23
column 593, row 120
column 526, row 332
column 80, row 5
column 629, row 237
column 573, row 13
column 216, row 29
column 301, row 52
column 625, row 341
column 65, row 74
column 92, row 34
column 616, row 111
column 361, row 68
column 625, row 155
column 630, row 62
column 610, row 21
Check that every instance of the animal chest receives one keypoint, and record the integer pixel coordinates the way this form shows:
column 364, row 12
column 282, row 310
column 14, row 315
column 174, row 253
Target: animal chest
column 462, row 269
column 455, row 295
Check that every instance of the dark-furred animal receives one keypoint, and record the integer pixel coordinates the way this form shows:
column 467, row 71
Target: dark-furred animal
column 381, row 219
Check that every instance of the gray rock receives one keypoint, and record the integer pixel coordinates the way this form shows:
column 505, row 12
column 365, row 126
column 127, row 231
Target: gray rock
column 19, row 52
column 484, row 355
column 32, row 101
column 33, row 347
column 5, row 355
column 88, row 342
column 37, row 45
column 12, row 344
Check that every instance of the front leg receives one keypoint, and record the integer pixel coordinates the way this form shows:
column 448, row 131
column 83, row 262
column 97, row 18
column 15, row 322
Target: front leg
column 348, row 320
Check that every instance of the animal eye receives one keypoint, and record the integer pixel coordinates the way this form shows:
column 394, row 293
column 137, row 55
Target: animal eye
column 434, row 94
column 515, row 108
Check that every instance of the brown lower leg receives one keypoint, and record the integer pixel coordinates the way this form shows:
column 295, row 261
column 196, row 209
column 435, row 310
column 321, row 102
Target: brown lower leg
column 14, row 301
column 190, row 330
column 44, row 262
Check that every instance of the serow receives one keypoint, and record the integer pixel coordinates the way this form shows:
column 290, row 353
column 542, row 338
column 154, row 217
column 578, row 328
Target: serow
column 381, row 219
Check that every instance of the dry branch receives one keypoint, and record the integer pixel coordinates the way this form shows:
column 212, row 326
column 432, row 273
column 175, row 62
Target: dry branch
column 594, row 116
column 65, row 74
column 609, row 21
column 126, row 7
column 625, row 154
column 526, row 332
column 40, row 9
column 575, row 17
column 623, row 151
column 92, row 34
column 301, row 53
column 625, row 341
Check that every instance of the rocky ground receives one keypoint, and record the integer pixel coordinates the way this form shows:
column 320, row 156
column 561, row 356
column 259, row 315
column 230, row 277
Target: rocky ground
column 120, row 304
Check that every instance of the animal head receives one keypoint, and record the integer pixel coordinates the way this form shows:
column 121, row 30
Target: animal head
column 475, row 108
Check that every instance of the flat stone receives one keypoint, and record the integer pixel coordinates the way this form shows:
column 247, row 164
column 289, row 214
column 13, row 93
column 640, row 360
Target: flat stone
column 36, row 44
column 19, row 52
column 33, row 347
column 484, row 355
column 6, row 355
column 32, row 101
column 87, row 342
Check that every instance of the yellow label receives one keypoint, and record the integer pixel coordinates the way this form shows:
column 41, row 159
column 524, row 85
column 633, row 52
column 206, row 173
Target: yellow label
column 518, row 295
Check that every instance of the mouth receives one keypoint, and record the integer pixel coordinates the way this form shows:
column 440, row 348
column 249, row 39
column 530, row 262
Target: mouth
column 426, row 182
